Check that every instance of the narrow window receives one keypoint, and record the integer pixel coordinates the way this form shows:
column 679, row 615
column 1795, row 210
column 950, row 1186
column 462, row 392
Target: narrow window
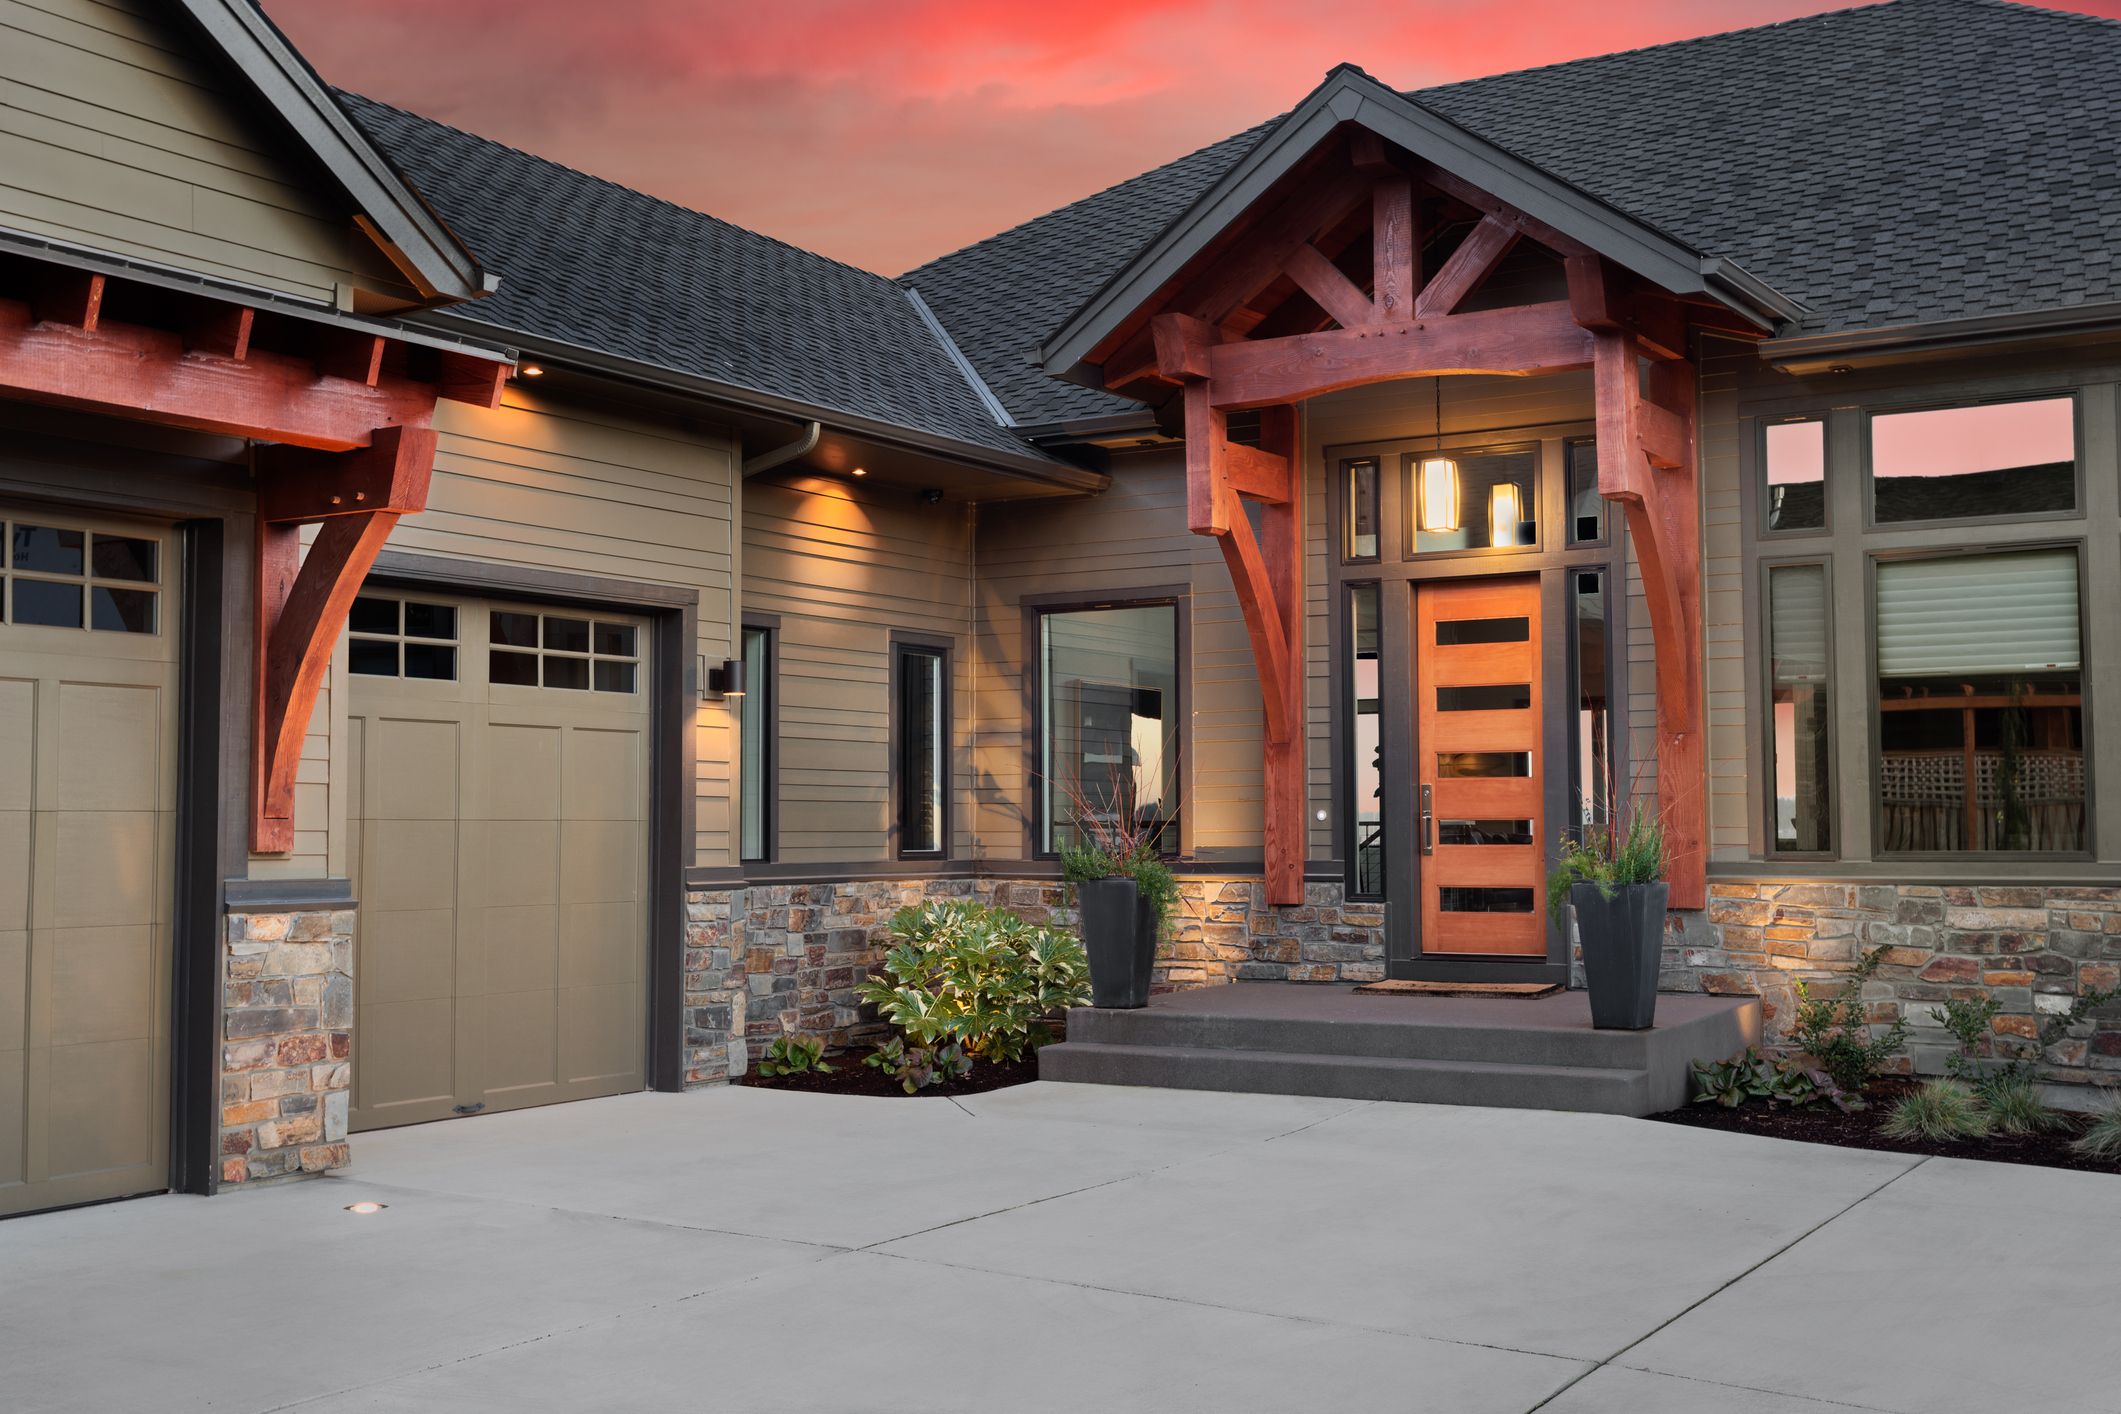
column 1108, row 748
column 1795, row 456
column 1980, row 703
column 1997, row 459
column 923, row 750
column 1586, row 506
column 1366, row 790
column 1799, row 763
column 1594, row 748
column 1362, row 510
column 756, row 742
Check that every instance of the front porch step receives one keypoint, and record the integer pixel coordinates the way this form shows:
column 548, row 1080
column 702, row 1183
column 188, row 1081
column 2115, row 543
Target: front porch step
column 1433, row 1082
column 1282, row 1039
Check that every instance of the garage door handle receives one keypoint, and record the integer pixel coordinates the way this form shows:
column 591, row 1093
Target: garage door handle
column 471, row 1109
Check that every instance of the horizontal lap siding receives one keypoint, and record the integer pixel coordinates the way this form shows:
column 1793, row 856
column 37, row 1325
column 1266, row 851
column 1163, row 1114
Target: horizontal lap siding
column 118, row 133
column 1723, row 598
column 843, row 565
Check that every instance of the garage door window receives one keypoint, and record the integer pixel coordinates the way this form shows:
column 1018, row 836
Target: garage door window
column 61, row 577
column 576, row 655
column 402, row 638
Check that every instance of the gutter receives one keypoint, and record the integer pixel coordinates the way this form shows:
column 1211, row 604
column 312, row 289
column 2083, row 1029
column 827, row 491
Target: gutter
column 690, row 385
column 800, row 447
column 1939, row 338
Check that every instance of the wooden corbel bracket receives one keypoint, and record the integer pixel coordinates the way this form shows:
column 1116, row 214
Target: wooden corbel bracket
column 357, row 497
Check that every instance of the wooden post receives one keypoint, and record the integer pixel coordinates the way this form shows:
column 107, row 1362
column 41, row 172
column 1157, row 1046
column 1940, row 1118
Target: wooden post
column 1283, row 823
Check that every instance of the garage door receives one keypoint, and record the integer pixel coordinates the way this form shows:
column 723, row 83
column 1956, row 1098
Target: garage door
column 500, row 853
column 87, row 833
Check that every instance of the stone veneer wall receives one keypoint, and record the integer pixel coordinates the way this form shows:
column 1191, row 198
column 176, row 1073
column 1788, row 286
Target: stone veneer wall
column 779, row 959
column 2032, row 948
column 286, row 1053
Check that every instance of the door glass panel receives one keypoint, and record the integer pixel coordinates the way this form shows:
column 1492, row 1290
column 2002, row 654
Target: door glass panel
column 1994, row 460
column 372, row 657
column 514, row 631
column 1454, row 765
column 121, row 610
column 1594, row 752
column 513, row 669
column 567, row 635
column 373, row 616
column 614, row 677
column 569, row 673
column 48, row 550
column 430, row 621
column 1498, row 697
column 42, row 602
column 1367, row 789
column 123, row 558
column 431, row 660
column 1454, row 632
column 1484, row 832
column 1796, row 475
column 1454, row 899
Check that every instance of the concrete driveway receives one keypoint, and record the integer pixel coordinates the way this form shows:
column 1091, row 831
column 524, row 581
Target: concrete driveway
column 1079, row 1248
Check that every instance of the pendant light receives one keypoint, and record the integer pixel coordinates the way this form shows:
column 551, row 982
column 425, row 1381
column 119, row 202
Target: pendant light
column 1438, row 479
column 1505, row 512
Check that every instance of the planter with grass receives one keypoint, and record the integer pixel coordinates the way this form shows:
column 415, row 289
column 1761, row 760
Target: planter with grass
column 1613, row 880
column 1125, row 902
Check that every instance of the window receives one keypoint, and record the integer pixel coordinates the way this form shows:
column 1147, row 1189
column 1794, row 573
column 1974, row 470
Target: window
column 1586, row 507
column 1594, row 723
column 1800, row 708
column 923, row 750
column 1980, row 703
column 1991, row 459
column 1108, row 715
column 62, row 577
column 1361, row 511
column 579, row 654
column 754, row 726
column 391, row 638
column 1794, row 454
column 1472, row 500
column 1366, row 748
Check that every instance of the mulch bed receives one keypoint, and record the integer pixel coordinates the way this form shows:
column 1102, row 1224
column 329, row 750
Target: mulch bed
column 1860, row 1131
column 850, row 1077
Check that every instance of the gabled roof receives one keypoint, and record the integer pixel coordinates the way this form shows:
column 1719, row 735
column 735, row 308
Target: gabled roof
column 597, row 266
column 1912, row 161
column 423, row 248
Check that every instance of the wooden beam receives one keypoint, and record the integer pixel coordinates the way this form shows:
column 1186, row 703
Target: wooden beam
column 1482, row 249
column 297, row 486
column 1284, row 769
column 1257, row 474
column 1207, row 444
column 1396, row 250
column 347, row 353
column 1366, row 151
column 146, row 374
column 1602, row 296
column 220, row 329
column 1537, row 338
column 70, row 297
column 1336, row 294
column 1256, row 599
column 1182, row 345
column 1450, row 184
column 467, row 378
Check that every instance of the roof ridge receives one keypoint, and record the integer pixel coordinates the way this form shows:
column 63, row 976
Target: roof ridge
column 615, row 186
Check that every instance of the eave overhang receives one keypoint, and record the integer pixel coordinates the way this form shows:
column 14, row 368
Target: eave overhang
column 1351, row 96
column 1806, row 354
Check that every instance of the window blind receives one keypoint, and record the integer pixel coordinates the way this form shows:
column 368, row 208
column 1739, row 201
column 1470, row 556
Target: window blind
column 1978, row 614
column 1797, row 619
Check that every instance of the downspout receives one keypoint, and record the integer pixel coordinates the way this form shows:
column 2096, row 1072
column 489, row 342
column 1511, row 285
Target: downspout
column 800, row 447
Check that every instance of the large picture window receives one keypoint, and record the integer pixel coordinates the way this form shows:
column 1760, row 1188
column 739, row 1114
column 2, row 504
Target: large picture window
column 1980, row 703
column 1108, row 724
column 923, row 728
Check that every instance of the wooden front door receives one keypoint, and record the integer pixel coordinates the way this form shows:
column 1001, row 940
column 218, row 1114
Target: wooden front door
column 1479, row 772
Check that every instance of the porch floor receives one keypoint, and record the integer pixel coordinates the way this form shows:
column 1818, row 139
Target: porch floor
column 1515, row 1053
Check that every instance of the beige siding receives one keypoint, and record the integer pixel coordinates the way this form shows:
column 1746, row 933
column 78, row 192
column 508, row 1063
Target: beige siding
column 1723, row 598
column 844, row 564
column 118, row 133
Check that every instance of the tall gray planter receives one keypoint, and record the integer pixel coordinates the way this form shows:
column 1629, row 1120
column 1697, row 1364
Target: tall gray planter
column 1119, row 934
column 1623, row 950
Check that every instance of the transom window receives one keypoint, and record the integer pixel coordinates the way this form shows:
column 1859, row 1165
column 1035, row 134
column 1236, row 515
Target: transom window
column 63, row 577
column 390, row 638
column 561, row 651
column 1990, row 459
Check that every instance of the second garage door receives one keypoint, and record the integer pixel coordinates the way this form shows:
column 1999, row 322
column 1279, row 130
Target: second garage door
column 500, row 754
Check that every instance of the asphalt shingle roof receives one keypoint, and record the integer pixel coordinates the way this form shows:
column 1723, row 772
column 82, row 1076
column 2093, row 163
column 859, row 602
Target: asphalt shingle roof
column 1918, row 160
column 592, row 263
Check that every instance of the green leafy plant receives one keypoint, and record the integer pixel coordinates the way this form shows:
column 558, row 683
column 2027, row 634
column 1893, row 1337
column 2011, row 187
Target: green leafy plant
column 1751, row 1076
column 1834, row 1032
column 1941, row 1110
column 1804, row 1087
column 1968, row 1018
column 962, row 973
column 920, row 1066
column 793, row 1055
column 1149, row 873
column 2014, row 1106
column 1628, row 848
column 2101, row 1139
column 1118, row 837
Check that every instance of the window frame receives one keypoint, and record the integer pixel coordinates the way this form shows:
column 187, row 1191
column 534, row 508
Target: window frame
column 905, row 644
column 1619, row 727
column 1568, row 499
column 1346, row 503
column 1826, row 480
column 1765, row 658
column 1344, row 755
column 1537, row 501
column 768, row 692
column 1034, row 608
column 1868, row 412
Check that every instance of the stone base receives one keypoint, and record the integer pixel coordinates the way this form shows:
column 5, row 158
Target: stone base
column 286, row 1055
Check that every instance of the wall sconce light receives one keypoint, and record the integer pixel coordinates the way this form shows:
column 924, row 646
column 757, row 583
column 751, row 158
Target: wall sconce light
column 531, row 370
column 1505, row 512
column 728, row 679
column 1439, row 493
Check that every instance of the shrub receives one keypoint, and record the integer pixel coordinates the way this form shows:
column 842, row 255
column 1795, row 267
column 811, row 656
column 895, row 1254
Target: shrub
column 1833, row 1032
column 2101, row 1139
column 979, row 977
column 1749, row 1076
column 920, row 1067
column 1608, row 855
column 792, row 1055
column 1941, row 1110
column 1150, row 875
column 2014, row 1106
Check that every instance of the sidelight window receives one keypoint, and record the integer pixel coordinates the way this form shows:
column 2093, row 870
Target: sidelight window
column 1800, row 709
column 1593, row 730
column 1108, row 725
column 1366, row 746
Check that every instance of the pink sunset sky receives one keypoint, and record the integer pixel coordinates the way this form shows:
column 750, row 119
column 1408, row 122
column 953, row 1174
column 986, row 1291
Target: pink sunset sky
column 887, row 132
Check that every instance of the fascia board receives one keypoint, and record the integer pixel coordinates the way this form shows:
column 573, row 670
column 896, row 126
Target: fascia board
column 669, row 380
column 1811, row 352
column 291, row 87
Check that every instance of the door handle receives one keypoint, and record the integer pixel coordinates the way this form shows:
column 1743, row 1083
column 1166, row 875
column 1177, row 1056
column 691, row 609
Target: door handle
column 1428, row 821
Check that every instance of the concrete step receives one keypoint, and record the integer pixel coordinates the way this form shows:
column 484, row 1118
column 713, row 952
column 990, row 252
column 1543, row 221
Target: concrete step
column 1587, row 1089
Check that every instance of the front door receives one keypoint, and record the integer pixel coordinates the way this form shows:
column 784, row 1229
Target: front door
column 1479, row 774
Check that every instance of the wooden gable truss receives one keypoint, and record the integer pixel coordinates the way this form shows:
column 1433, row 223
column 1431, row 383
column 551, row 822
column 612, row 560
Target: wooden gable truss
column 1294, row 302
column 342, row 410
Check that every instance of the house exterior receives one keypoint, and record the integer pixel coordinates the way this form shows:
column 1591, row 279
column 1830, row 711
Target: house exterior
column 476, row 636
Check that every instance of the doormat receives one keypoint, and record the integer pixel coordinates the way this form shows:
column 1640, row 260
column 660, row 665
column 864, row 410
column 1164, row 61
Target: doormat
column 1459, row 989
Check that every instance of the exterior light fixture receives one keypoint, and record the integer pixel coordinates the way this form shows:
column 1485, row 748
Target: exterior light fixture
column 366, row 1208
column 1505, row 512
column 1439, row 493
column 531, row 370
column 859, row 472
column 728, row 679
